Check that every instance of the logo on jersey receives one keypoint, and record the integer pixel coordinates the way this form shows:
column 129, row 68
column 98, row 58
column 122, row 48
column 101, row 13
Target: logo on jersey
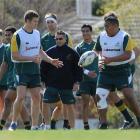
column 30, row 48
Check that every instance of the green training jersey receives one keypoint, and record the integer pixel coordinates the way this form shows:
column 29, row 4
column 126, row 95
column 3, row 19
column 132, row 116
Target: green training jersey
column 48, row 41
column 7, row 59
column 4, row 78
column 82, row 48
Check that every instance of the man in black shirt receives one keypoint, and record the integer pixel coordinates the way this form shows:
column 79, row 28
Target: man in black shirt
column 60, row 81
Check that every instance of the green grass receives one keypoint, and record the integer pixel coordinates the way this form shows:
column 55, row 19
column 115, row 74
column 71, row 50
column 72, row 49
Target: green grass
column 71, row 135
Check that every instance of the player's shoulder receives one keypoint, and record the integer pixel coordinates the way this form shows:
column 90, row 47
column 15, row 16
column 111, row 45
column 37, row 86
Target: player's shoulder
column 124, row 33
column 35, row 31
column 46, row 35
column 80, row 45
column 103, row 33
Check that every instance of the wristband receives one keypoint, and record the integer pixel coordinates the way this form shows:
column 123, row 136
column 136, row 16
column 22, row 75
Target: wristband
column 86, row 72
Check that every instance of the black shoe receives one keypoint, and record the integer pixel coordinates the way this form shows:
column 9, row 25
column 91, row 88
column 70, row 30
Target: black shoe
column 128, row 125
column 103, row 126
column 86, row 127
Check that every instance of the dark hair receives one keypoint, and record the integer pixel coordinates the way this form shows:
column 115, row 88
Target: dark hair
column 111, row 17
column 52, row 15
column 11, row 29
column 1, row 32
column 87, row 26
column 60, row 32
column 30, row 14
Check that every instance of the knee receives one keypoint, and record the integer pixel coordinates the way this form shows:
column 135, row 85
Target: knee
column 36, row 98
column 59, row 106
column 101, row 96
column 97, row 98
column 8, row 102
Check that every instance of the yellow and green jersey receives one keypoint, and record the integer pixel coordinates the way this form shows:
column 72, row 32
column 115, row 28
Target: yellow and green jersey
column 114, row 46
column 82, row 48
column 3, row 81
column 48, row 41
column 26, row 44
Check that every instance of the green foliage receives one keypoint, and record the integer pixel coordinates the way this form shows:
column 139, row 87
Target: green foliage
column 97, row 7
column 100, row 7
column 114, row 117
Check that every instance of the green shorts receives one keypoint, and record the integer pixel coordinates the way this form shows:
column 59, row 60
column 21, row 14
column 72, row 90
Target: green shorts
column 112, row 82
column 28, row 80
column 3, row 87
column 53, row 95
column 88, row 88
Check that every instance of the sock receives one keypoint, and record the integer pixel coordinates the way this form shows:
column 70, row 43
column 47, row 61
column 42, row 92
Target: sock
column 66, row 124
column 34, row 127
column 86, row 125
column 123, row 109
column 2, row 123
column 27, row 125
column 138, row 120
column 53, row 123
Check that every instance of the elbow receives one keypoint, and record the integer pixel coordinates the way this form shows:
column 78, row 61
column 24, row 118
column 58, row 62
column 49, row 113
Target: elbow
column 15, row 56
column 128, row 56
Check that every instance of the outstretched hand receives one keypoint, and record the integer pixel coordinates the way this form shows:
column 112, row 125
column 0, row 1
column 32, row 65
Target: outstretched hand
column 57, row 63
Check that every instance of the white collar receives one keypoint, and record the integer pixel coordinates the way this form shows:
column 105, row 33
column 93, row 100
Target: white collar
column 1, row 45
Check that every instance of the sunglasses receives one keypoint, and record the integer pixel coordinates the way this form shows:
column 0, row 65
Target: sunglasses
column 8, row 34
column 59, row 38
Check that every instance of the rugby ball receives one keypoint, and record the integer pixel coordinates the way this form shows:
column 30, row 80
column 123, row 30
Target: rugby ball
column 87, row 58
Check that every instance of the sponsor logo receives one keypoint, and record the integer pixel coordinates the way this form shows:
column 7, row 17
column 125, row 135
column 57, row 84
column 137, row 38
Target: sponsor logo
column 30, row 48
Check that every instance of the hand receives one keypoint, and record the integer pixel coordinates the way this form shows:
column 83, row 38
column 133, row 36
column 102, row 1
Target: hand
column 75, row 87
column 36, row 59
column 105, row 60
column 92, row 74
column 57, row 63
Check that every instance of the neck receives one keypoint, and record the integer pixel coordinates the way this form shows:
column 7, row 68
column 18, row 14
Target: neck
column 27, row 28
column 52, row 32
column 114, row 33
column 89, row 40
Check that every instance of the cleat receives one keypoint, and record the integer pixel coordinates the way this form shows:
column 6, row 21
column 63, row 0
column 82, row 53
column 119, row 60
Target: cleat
column 13, row 127
column 103, row 126
column 127, row 125
column 35, row 128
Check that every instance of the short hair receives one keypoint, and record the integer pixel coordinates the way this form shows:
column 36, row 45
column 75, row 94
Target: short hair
column 52, row 15
column 111, row 17
column 86, row 26
column 1, row 32
column 11, row 29
column 60, row 32
column 30, row 14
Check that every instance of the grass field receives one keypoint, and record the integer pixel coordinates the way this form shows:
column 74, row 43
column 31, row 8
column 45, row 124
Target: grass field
column 71, row 135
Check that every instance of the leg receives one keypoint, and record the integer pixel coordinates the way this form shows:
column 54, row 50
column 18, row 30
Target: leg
column 66, row 124
column 101, row 95
column 120, row 106
column 2, row 96
column 8, row 102
column 85, row 111
column 25, row 117
column 71, row 114
column 35, row 105
column 45, row 112
column 57, row 111
column 128, row 93
column 21, row 92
